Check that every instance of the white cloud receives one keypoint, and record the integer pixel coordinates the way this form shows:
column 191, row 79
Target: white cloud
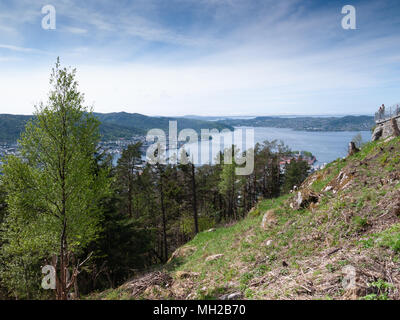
column 16, row 48
column 281, row 59
column 75, row 30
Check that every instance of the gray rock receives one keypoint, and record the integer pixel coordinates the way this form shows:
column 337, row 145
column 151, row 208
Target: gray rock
column 214, row 257
column 268, row 219
column 352, row 148
column 377, row 134
column 232, row 296
column 235, row 296
column 304, row 198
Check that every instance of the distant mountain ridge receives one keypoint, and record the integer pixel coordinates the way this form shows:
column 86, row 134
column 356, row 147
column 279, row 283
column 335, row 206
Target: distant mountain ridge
column 125, row 125
column 142, row 123
column 346, row 123
column 113, row 125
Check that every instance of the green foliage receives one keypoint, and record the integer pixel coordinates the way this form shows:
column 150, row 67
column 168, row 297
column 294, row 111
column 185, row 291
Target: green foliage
column 127, row 170
column 360, row 222
column 187, row 226
column 330, row 267
column 382, row 289
column 53, row 191
column 295, row 173
column 121, row 247
column 358, row 140
column 391, row 238
column 255, row 213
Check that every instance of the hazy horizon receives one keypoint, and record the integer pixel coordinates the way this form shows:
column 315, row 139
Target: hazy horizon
column 218, row 116
column 204, row 57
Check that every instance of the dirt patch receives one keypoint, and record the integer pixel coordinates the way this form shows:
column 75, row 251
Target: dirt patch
column 138, row 286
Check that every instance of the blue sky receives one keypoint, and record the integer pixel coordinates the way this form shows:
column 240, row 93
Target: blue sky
column 205, row 57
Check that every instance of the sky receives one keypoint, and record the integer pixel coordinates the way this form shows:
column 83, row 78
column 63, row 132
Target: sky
column 204, row 57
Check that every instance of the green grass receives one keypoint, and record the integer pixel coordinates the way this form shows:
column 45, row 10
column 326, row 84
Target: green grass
column 340, row 219
column 297, row 235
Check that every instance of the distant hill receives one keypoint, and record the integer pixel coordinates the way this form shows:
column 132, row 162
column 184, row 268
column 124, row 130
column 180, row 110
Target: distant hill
column 11, row 126
column 125, row 125
column 113, row 125
column 347, row 123
column 142, row 123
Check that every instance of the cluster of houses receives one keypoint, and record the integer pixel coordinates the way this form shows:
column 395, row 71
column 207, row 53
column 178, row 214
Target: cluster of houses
column 305, row 156
column 116, row 147
column 7, row 149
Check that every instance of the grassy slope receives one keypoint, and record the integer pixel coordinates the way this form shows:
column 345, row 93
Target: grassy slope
column 356, row 223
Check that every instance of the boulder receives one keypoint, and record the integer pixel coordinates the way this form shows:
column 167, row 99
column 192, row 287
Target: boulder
column 214, row 257
column 395, row 127
column 303, row 199
column 268, row 219
column 328, row 188
column 182, row 252
column 377, row 134
column 352, row 148
column 232, row 296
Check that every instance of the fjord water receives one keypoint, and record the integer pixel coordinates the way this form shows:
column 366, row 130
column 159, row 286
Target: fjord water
column 326, row 146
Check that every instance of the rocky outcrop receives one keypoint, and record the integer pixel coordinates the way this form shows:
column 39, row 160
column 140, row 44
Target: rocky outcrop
column 182, row 252
column 395, row 127
column 385, row 129
column 304, row 199
column 232, row 296
column 377, row 134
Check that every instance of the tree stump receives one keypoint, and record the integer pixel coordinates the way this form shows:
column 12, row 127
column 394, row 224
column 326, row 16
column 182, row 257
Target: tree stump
column 352, row 148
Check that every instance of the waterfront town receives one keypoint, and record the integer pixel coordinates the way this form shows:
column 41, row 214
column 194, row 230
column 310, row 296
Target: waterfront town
column 116, row 147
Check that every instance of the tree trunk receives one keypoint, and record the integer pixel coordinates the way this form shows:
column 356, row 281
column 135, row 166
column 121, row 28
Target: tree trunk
column 196, row 223
column 164, row 220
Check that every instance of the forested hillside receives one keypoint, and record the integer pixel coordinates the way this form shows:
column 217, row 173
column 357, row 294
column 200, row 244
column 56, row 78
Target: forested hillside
column 140, row 230
column 11, row 126
column 65, row 206
column 338, row 237
column 144, row 123
column 347, row 123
